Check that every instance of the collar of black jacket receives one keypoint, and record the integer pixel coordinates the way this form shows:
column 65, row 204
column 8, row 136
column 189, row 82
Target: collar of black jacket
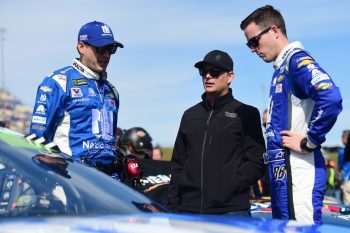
column 218, row 101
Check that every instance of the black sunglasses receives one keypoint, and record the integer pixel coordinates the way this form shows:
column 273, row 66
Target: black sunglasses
column 254, row 41
column 214, row 72
column 111, row 48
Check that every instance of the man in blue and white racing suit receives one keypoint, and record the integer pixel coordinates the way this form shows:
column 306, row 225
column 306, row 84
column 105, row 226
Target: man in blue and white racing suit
column 303, row 106
column 76, row 107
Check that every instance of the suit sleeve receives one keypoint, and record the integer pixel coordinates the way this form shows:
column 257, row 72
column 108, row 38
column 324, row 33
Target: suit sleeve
column 309, row 80
column 48, row 108
column 254, row 147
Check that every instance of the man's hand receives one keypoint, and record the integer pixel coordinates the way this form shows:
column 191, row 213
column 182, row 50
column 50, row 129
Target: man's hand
column 292, row 141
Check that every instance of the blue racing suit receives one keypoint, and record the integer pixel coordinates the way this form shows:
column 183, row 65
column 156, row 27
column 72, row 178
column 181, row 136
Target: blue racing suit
column 304, row 100
column 77, row 109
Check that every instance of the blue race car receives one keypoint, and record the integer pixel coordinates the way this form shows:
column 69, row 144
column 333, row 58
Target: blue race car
column 45, row 191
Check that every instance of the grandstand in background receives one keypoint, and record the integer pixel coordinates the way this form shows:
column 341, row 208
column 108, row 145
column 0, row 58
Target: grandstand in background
column 15, row 115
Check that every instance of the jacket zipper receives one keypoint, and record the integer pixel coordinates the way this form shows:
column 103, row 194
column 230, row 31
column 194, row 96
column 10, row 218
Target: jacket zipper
column 101, row 91
column 202, row 162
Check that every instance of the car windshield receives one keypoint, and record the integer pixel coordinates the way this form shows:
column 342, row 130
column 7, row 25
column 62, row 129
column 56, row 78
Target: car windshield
column 40, row 183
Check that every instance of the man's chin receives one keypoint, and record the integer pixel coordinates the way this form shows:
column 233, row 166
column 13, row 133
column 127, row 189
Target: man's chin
column 99, row 69
column 212, row 92
column 267, row 60
column 209, row 90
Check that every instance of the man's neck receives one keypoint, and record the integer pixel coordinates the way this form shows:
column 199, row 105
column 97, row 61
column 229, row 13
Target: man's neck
column 212, row 96
column 210, row 100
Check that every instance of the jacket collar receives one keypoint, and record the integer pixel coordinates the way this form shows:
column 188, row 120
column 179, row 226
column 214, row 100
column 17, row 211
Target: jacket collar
column 88, row 73
column 284, row 53
column 219, row 100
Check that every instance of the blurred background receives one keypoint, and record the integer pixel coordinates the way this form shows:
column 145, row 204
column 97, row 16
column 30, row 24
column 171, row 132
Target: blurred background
column 154, row 73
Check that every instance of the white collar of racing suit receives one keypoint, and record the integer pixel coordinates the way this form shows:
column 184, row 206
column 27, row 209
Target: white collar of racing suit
column 88, row 73
column 286, row 51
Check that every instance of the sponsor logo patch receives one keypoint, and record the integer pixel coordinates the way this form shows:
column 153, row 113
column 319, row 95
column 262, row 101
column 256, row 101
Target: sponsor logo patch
column 80, row 82
column 78, row 67
column 105, row 29
column 39, row 127
column 81, row 100
column 280, row 78
column 305, row 63
column 112, row 103
column 278, row 88
column 76, row 92
column 304, row 58
column 45, row 89
column 316, row 72
column 323, row 86
column 83, row 37
column 279, row 172
column 158, row 179
column 91, row 92
column 319, row 78
column 141, row 133
column 40, row 109
column 61, row 77
column 39, row 120
column 311, row 67
column 42, row 97
column 230, row 114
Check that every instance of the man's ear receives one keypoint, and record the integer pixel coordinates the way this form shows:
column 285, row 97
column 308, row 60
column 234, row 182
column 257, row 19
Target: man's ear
column 80, row 48
column 231, row 76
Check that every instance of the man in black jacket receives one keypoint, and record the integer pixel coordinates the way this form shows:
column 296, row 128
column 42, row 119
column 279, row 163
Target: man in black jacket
column 219, row 147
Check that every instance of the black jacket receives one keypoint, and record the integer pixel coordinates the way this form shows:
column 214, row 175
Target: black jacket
column 218, row 154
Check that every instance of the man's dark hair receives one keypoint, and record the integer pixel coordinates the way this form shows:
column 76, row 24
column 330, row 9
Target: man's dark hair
column 265, row 17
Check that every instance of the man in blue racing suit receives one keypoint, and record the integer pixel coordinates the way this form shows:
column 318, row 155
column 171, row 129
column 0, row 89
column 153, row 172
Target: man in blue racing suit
column 76, row 107
column 303, row 106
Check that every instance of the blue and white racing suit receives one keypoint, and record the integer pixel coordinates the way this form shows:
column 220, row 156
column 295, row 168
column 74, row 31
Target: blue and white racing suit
column 77, row 109
column 305, row 100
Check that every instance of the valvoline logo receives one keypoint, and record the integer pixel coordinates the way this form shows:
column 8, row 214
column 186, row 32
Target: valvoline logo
column 76, row 92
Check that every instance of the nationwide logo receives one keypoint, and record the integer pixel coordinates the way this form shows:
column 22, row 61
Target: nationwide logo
column 76, row 92
column 45, row 89
column 96, row 145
